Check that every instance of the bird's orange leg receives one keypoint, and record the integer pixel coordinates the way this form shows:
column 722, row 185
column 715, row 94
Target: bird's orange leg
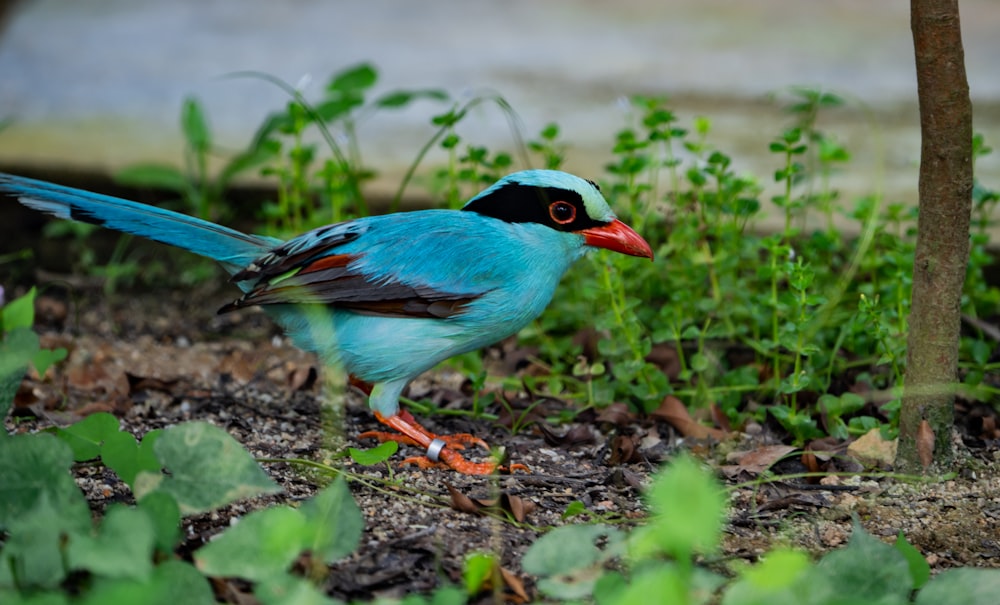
column 414, row 434
column 411, row 433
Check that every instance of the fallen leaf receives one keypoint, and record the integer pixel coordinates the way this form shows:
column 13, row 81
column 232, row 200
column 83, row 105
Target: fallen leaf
column 759, row 460
column 574, row 436
column 872, row 450
column 515, row 585
column 925, row 443
column 672, row 411
column 624, row 449
column 617, row 414
column 518, row 508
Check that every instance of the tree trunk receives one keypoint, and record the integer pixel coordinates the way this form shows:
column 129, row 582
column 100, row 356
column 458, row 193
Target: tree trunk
column 942, row 252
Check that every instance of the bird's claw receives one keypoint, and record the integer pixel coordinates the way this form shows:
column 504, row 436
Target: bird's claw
column 454, row 461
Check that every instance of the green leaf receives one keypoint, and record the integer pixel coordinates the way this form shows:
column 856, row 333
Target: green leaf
column 919, row 569
column 573, row 508
column 45, row 358
column 263, row 545
column 152, row 176
column 571, row 577
column 173, row 582
column 86, row 436
column 165, row 515
column 965, row 586
column 334, row 520
column 195, row 126
column 33, row 467
column 689, row 507
column 122, row 453
column 868, row 569
column 18, row 313
column 17, row 349
column 123, row 547
column 206, row 469
column 290, row 590
column 33, row 550
column 479, row 568
column 376, row 455
column 353, row 79
column 401, row 98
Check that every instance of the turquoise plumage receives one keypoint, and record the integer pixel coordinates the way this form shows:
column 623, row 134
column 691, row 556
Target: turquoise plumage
column 388, row 297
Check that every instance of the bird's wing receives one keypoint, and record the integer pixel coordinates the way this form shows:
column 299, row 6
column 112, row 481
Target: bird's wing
column 322, row 267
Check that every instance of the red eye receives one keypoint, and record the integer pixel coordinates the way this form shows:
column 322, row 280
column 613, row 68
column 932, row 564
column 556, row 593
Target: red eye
column 562, row 212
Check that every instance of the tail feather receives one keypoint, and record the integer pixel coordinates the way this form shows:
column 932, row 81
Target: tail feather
column 231, row 248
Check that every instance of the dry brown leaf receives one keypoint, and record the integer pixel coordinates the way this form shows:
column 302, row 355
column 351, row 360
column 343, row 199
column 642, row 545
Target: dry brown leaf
column 574, row 436
column 461, row 502
column 624, row 449
column 617, row 414
column 925, row 443
column 515, row 585
column 518, row 508
column 672, row 410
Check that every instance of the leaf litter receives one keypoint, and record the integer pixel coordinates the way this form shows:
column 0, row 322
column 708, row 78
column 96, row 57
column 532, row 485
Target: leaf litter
column 155, row 360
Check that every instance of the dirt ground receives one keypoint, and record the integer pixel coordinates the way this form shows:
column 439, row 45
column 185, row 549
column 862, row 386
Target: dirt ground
column 161, row 358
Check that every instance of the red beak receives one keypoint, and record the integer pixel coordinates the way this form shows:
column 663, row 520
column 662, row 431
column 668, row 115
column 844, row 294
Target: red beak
column 619, row 237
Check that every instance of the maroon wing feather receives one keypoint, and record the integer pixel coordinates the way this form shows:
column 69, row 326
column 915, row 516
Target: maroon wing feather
column 330, row 280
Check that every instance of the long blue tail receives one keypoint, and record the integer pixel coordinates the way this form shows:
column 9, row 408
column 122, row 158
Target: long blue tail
column 233, row 249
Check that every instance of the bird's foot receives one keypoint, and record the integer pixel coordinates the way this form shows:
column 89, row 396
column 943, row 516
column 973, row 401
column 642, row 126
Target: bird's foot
column 455, row 461
column 440, row 448
column 457, row 441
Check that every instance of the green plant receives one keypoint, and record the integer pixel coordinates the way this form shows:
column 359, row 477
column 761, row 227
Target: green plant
column 53, row 549
column 19, row 348
column 672, row 557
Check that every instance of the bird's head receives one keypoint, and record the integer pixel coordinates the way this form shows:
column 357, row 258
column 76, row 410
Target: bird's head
column 563, row 202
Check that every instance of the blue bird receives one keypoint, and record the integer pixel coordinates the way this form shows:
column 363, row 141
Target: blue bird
column 389, row 297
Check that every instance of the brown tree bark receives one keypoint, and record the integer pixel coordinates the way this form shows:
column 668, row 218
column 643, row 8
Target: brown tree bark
column 942, row 251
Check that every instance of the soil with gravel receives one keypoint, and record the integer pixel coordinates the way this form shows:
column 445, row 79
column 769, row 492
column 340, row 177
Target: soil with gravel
column 156, row 359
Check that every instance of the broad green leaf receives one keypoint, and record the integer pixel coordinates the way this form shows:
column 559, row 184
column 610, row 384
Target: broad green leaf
column 783, row 577
column 376, row 455
column 965, row 586
column 664, row 580
column 126, row 457
column 689, row 508
column 165, row 515
column 920, row 571
column 547, row 556
column 17, row 348
column 206, row 468
column 40, row 598
column 290, row 590
column 122, row 548
column 33, row 467
column 868, row 569
column 477, row 571
column 45, row 358
column 152, row 176
column 263, row 545
column 86, row 437
column 18, row 313
column 32, row 553
column 334, row 520
column 353, row 79
column 173, row 582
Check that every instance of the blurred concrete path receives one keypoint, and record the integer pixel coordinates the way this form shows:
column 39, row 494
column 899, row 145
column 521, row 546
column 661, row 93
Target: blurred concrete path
column 97, row 85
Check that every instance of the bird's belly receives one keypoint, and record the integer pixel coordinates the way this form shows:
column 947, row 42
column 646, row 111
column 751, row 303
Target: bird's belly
column 379, row 349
